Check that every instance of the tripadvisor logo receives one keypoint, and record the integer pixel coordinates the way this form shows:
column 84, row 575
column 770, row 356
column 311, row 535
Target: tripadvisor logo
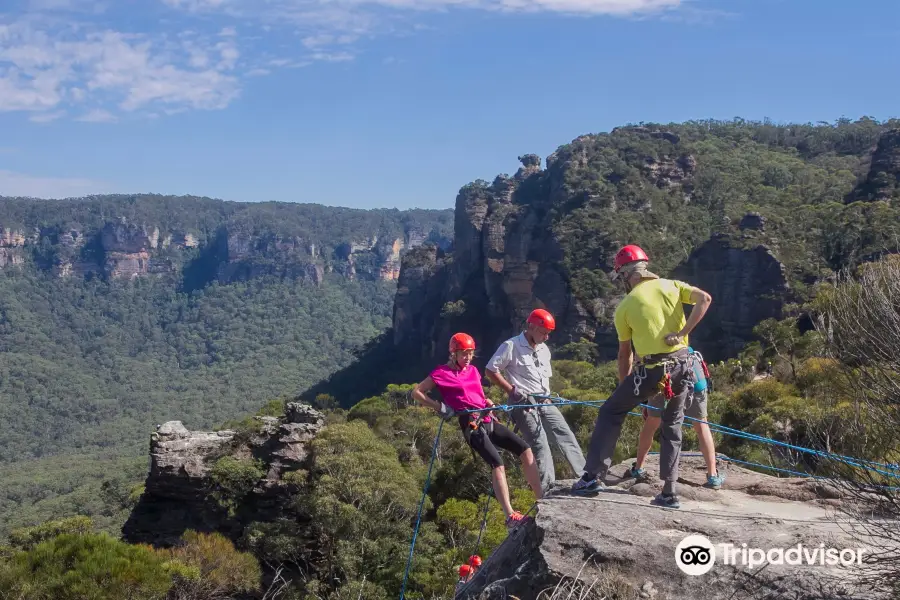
column 696, row 555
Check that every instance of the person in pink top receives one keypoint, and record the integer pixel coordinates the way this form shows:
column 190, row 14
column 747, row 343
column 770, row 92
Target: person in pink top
column 459, row 383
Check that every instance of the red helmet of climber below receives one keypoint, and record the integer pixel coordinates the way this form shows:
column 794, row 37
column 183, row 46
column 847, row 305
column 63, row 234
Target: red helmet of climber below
column 461, row 341
column 542, row 318
column 465, row 570
column 629, row 254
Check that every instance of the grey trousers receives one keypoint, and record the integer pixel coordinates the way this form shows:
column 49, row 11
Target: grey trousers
column 541, row 426
column 622, row 401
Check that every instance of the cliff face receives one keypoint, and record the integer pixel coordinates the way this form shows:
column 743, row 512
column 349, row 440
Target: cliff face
column 178, row 487
column 231, row 243
column 509, row 257
column 505, row 262
column 11, row 244
column 747, row 286
column 883, row 180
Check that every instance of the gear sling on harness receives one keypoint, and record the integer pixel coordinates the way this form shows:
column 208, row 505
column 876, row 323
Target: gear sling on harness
column 664, row 385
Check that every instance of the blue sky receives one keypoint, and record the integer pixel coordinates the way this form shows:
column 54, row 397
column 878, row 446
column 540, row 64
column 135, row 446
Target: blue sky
column 398, row 103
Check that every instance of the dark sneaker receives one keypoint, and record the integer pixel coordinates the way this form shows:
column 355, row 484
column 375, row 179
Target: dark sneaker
column 587, row 486
column 666, row 501
column 715, row 481
column 640, row 475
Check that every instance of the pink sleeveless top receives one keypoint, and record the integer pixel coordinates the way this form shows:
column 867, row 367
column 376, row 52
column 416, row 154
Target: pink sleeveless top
column 462, row 389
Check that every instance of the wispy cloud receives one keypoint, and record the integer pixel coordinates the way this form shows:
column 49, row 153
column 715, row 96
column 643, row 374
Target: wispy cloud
column 44, row 71
column 68, row 57
column 47, row 117
column 20, row 184
column 98, row 116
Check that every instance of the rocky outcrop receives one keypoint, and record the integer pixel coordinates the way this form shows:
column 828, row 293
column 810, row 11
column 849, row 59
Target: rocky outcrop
column 251, row 254
column 224, row 242
column 626, row 547
column 507, row 258
column 883, row 181
column 127, row 248
column 747, row 286
column 505, row 262
column 178, row 488
column 12, row 243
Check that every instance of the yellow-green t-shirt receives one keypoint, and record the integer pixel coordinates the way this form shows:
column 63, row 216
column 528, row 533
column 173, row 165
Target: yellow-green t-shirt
column 651, row 311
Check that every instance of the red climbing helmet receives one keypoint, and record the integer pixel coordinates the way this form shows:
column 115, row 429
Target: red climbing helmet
column 465, row 570
column 475, row 560
column 629, row 254
column 542, row 318
column 461, row 341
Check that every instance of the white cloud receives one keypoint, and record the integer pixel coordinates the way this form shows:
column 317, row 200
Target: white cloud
column 47, row 117
column 196, row 5
column 332, row 56
column 20, row 184
column 43, row 70
column 56, row 59
column 98, row 116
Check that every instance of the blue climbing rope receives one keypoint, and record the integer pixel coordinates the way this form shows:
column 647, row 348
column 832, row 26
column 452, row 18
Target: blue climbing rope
column 412, row 545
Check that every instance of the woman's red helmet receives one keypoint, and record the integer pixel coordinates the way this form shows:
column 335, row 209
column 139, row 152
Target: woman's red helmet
column 629, row 254
column 542, row 318
column 461, row 341
column 475, row 560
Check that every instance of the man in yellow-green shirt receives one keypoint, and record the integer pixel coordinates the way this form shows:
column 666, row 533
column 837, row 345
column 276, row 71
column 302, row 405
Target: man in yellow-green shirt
column 651, row 318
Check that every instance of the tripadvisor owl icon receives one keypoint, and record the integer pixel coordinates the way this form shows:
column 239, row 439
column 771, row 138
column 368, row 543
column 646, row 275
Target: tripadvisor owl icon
column 695, row 555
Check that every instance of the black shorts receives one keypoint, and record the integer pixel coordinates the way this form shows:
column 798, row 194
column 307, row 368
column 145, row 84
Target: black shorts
column 486, row 444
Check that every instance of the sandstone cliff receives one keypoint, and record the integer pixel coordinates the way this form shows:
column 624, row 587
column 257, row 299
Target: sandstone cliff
column 178, row 491
column 510, row 255
column 883, row 180
column 125, row 238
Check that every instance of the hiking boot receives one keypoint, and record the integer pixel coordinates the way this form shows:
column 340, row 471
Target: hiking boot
column 587, row 486
column 666, row 501
column 640, row 475
column 715, row 481
column 514, row 520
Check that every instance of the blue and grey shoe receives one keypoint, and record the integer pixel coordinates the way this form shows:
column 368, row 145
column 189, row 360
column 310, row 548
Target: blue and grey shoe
column 715, row 481
column 640, row 475
column 666, row 501
column 587, row 486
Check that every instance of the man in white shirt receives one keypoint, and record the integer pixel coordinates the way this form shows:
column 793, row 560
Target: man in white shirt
column 521, row 367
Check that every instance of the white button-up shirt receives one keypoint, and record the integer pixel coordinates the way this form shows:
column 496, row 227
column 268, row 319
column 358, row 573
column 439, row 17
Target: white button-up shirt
column 521, row 365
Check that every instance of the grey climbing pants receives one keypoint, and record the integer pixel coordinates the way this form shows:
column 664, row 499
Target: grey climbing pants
column 623, row 400
column 541, row 426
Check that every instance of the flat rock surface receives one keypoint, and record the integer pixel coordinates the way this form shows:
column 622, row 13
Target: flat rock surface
column 618, row 536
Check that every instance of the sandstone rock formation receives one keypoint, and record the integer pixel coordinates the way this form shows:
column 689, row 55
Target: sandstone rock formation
column 883, row 181
column 12, row 243
column 236, row 244
column 621, row 543
column 127, row 248
column 177, row 488
column 507, row 260
column 747, row 286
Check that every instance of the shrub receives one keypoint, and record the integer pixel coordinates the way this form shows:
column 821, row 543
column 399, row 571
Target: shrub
column 233, row 479
column 28, row 537
column 208, row 567
column 85, row 566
